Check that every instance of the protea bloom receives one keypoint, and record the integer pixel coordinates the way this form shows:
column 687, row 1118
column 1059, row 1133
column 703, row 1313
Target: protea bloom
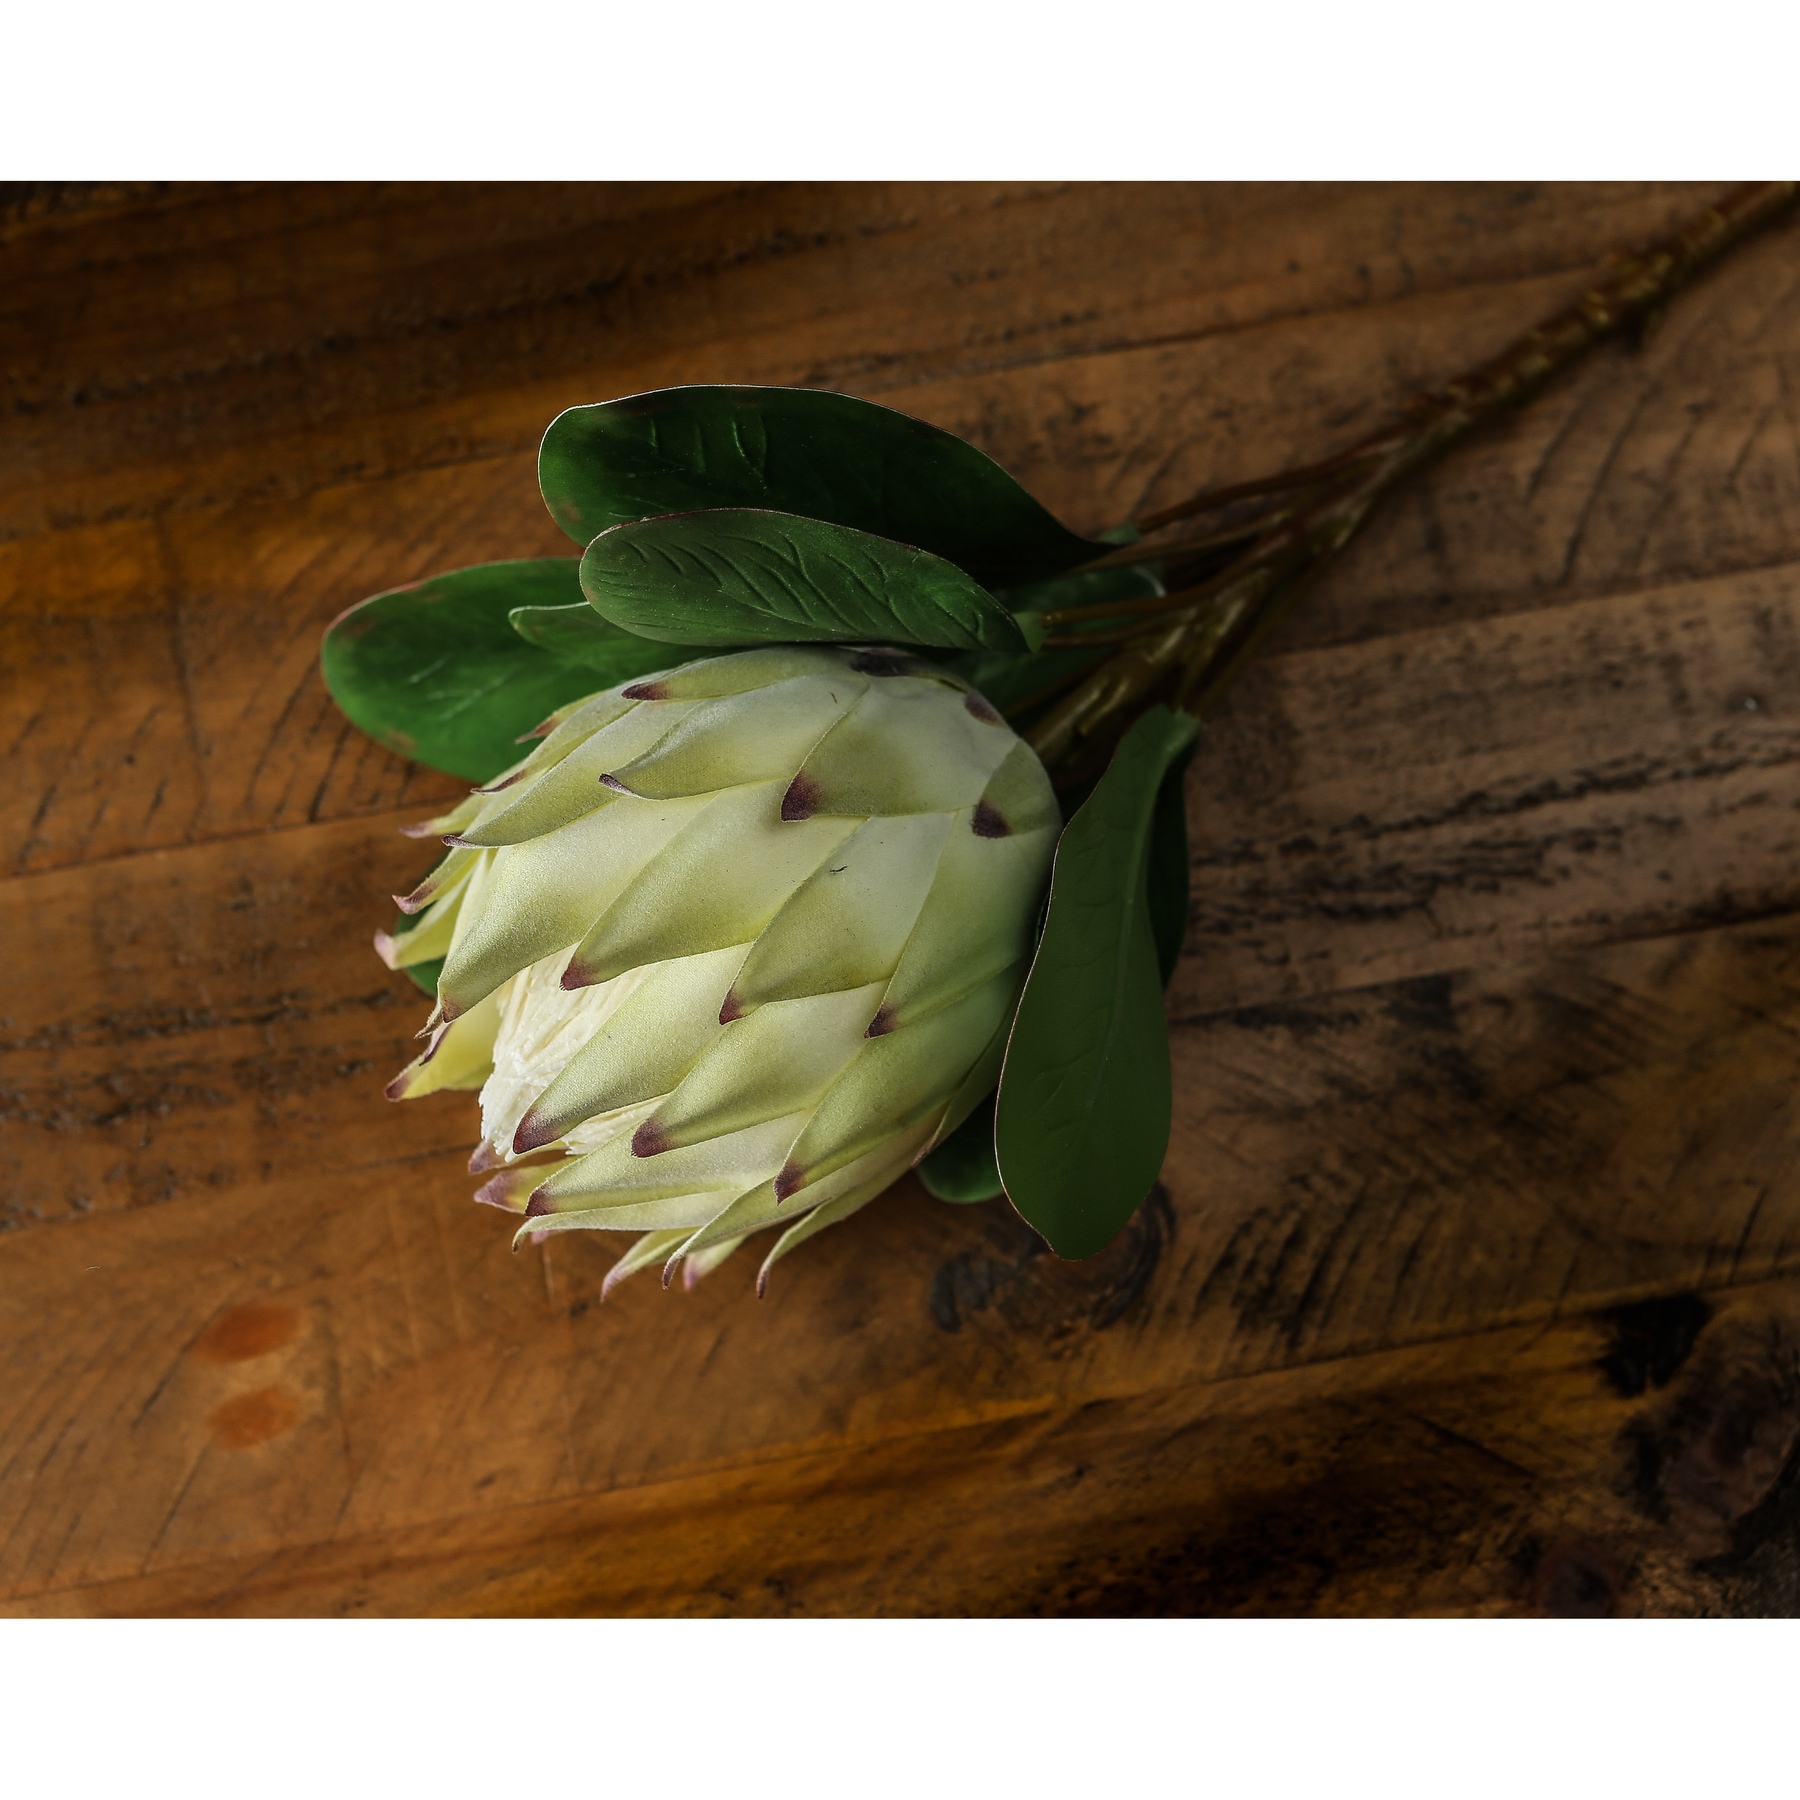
column 733, row 947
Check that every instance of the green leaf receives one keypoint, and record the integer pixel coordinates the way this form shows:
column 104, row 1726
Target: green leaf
column 962, row 1169
column 741, row 577
column 578, row 634
column 1083, row 1115
column 797, row 450
column 1166, row 882
column 436, row 673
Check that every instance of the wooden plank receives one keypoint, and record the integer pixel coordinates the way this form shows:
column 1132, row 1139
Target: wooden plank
column 189, row 649
column 1486, row 1025
column 1575, row 1471
column 1375, row 812
column 1429, row 800
column 188, row 1021
column 459, row 322
column 1390, row 1167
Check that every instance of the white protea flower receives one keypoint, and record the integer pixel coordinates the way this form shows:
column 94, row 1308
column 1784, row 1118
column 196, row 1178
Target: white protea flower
column 734, row 947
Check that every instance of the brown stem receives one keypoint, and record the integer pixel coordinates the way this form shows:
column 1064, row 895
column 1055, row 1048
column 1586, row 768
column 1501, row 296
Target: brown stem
column 1191, row 655
column 1209, row 499
column 1176, row 550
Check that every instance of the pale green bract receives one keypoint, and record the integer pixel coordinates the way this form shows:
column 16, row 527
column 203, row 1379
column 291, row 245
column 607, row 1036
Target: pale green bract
column 734, row 947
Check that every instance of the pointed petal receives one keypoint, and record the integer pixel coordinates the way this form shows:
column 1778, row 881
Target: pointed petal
column 672, row 1211
column 574, row 725
column 541, row 896
column 908, row 745
column 897, row 1079
column 572, row 787
column 1018, row 798
column 723, row 1167
column 822, row 1218
column 459, row 1055
column 760, row 735
column 511, row 1189
column 543, row 1028
column 848, row 922
column 642, row 1048
column 596, row 1133
column 646, row 1253
column 738, row 671
column 430, row 936
column 716, row 884
column 453, row 870
column 977, row 920
column 760, row 1208
column 777, row 1061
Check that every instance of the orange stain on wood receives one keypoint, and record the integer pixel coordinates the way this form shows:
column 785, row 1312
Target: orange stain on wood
column 254, row 1418
column 247, row 1331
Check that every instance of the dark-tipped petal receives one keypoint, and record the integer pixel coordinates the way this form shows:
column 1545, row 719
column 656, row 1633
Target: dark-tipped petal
column 882, row 1023
column 789, row 1182
column 507, row 1190
column 485, row 1157
column 534, row 1133
column 644, row 690
column 539, row 1204
column 732, row 1009
column 801, row 800
column 649, row 1140
column 989, row 821
column 613, row 782
column 978, row 708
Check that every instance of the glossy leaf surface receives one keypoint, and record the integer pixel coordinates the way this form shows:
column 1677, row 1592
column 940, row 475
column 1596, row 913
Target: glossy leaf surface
column 962, row 1168
column 797, row 450
column 747, row 577
column 436, row 672
column 1083, row 1116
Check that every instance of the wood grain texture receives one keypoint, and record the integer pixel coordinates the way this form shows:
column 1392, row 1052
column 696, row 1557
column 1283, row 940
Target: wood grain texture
column 1474, row 1281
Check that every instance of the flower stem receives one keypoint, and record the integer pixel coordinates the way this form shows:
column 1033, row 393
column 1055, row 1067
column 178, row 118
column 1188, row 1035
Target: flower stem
column 1189, row 646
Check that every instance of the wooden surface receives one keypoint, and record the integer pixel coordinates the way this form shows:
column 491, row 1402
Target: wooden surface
column 1475, row 1283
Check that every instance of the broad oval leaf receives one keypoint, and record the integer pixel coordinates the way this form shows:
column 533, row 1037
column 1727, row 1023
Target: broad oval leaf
column 1083, row 1115
column 436, row 672
column 737, row 576
column 799, row 450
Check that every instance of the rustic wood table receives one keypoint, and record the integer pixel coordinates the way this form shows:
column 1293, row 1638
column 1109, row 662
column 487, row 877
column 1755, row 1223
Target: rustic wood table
column 1474, row 1285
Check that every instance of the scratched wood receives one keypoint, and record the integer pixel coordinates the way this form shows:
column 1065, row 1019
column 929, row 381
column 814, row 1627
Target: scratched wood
column 1473, row 1284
